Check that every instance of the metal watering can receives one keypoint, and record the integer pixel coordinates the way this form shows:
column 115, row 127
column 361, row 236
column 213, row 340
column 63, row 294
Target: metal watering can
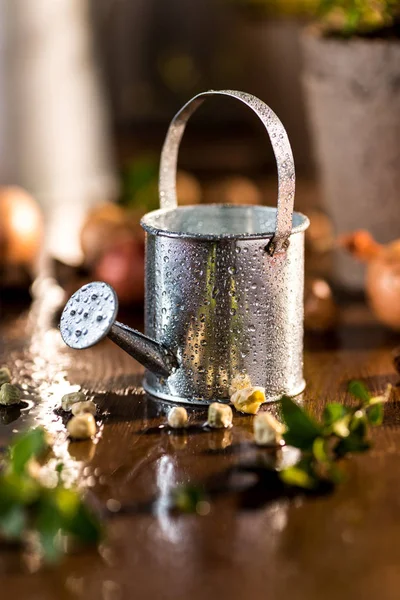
column 224, row 286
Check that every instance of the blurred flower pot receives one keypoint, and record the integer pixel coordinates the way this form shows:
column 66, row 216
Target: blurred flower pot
column 269, row 54
column 353, row 96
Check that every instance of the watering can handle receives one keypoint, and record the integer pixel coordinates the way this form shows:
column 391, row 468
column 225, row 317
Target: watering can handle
column 280, row 145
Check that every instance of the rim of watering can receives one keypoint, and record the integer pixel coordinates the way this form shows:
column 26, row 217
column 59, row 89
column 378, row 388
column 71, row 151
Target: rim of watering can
column 153, row 229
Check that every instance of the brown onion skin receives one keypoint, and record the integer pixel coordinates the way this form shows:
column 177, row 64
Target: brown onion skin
column 320, row 310
column 383, row 285
column 21, row 227
column 122, row 266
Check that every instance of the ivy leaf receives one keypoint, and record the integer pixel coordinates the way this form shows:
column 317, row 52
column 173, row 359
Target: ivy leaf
column 334, row 412
column 359, row 390
column 26, row 502
column 83, row 524
column 375, row 414
column 320, row 450
column 27, row 446
column 337, row 419
column 302, row 429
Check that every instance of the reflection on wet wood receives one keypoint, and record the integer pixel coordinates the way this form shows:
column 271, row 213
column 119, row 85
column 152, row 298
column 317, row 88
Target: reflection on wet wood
column 252, row 544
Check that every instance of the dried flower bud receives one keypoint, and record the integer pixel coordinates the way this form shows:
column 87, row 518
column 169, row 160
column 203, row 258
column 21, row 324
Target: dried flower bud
column 79, row 408
column 5, row 375
column 268, row 431
column 248, row 400
column 69, row 399
column 239, row 382
column 82, row 427
column 177, row 417
column 9, row 394
column 219, row 415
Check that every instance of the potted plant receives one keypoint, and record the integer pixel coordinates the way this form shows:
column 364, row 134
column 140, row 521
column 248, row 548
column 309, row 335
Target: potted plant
column 352, row 83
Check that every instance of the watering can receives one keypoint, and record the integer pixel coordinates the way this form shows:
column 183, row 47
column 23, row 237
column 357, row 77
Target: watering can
column 224, row 286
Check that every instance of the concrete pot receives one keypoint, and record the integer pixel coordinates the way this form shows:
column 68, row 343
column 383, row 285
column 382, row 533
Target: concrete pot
column 353, row 98
column 270, row 55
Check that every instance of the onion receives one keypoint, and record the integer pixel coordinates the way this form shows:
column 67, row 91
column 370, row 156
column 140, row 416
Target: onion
column 102, row 227
column 382, row 281
column 122, row 266
column 21, row 227
column 319, row 236
column 320, row 309
column 113, row 247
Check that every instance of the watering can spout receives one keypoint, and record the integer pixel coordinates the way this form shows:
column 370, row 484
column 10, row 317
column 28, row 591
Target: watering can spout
column 151, row 354
column 89, row 316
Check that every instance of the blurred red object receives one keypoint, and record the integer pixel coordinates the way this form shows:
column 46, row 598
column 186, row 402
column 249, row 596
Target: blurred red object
column 113, row 247
column 122, row 266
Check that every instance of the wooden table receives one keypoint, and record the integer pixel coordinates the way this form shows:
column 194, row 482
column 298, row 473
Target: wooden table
column 250, row 546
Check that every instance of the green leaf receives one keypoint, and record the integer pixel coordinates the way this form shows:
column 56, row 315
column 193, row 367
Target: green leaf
column 298, row 477
column 334, row 412
column 13, row 522
column 302, row 429
column 359, row 390
column 17, row 489
column 67, row 501
column 48, row 524
column 83, row 524
column 359, row 424
column 24, row 501
column 337, row 419
column 375, row 414
column 353, row 443
column 320, row 450
column 27, row 446
column 341, row 428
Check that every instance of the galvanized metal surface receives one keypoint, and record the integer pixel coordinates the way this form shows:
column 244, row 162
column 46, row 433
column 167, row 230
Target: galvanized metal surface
column 88, row 315
column 148, row 352
column 216, row 294
column 226, row 307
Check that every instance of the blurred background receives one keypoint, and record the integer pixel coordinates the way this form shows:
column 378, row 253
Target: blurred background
column 88, row 88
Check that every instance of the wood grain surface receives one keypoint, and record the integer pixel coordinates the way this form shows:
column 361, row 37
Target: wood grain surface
column 251, row 544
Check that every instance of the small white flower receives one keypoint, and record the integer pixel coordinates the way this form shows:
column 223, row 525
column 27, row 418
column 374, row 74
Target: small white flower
column 219, row 415
column 268, row 431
